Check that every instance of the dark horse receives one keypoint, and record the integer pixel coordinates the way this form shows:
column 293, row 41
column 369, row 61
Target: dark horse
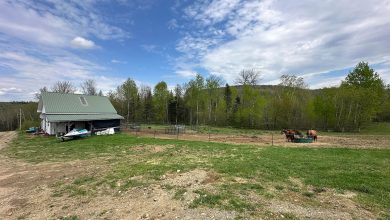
column 290, row 134
column 312, row 134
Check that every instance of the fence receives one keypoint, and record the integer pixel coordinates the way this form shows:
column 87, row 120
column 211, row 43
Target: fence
column 200, row 133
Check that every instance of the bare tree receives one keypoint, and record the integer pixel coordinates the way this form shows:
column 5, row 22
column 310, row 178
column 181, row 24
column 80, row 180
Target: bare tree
column 63, row 87
column 38, row 94
column 89, row 87
column 292, row 81
column 248, row 77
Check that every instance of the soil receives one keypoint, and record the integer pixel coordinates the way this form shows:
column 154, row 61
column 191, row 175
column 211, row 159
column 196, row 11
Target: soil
column 277, row 139
column 7, row 137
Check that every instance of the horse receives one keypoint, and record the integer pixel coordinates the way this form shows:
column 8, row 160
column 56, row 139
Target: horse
column 312, row 133
column 290, row 134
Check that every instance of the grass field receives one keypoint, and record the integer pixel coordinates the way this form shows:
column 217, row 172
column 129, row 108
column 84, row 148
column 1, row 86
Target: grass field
column 237, row 171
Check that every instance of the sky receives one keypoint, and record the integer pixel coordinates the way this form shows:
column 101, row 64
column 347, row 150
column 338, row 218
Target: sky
column 42, row 42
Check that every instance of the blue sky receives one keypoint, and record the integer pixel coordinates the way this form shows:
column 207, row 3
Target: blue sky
column 42, row 42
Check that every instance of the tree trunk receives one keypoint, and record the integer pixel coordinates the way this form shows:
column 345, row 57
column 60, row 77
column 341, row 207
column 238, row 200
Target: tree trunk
column 197, row 113
column 128, row 111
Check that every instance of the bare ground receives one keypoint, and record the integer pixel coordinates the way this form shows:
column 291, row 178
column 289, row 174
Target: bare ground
column 346, row 141
column 26, row 192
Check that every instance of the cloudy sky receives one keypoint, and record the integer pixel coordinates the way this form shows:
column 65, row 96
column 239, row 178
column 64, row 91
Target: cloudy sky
column 42, row 42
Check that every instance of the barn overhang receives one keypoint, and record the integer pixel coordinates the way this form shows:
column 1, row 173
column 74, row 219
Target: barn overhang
column 81, row 117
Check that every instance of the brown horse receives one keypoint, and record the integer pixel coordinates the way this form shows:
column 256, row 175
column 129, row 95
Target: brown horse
column 312, row 133
column 290, row 134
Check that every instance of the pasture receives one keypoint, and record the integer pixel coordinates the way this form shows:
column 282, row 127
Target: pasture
column 142, row 177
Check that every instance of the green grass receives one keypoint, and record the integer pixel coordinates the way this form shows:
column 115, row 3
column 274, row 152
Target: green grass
column 364, row 171
column 377, row 128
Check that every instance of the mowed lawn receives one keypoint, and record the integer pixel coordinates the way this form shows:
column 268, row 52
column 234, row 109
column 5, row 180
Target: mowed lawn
column 365, row 172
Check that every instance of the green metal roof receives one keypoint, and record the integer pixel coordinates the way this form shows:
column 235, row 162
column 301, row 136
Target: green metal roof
column 82, row 117
column 72, row 103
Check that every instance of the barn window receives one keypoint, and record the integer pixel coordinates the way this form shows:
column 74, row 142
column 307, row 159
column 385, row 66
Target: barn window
column 83, row 100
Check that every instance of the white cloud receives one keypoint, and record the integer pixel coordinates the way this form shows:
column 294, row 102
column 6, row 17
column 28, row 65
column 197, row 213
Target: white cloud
column 280, row 37
column 118, row 61
column 81, row 42
column 55, row 25
column 34, row 41
column 10, row 90
column 186, row 73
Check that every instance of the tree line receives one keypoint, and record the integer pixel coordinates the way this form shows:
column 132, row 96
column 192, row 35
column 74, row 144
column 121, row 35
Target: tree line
column 361, row 98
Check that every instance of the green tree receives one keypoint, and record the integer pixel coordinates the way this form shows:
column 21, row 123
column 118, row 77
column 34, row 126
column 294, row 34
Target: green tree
column 128, row 92
column 178, row 104
column 213, row 83
column 160, row 100
column 228, row 103
column 324, row 108
column 147, row 103
column 290, row 103
column 366, row 92
column 250, row 99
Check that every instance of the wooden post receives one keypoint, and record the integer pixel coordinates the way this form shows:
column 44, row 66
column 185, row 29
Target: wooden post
column 209, row 133
column 20, row 119
column 272, row 138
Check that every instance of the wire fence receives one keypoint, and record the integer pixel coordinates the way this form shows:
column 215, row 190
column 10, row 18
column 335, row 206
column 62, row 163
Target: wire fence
column 202, row 133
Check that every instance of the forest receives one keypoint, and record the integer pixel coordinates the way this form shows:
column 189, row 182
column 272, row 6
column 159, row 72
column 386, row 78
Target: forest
column 361, row 98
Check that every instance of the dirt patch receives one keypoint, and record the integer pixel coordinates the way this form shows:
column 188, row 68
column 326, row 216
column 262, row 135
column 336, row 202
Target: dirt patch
column 283, row 207
column 308, row 202
column 151, row 148
column 138, row 203
column 27, row 191
column 192, row 179
column 324, row 140
column 6, row 138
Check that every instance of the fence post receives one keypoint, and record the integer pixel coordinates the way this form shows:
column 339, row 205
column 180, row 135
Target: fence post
column 154, row 134
column 177, row 133
column 272, row 138
column 209, row 133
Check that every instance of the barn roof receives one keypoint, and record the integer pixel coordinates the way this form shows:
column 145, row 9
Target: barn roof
column 62, row 107
column 67, row 103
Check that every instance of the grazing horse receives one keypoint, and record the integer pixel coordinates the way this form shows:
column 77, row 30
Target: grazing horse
column 313, row 134
column 290, row 134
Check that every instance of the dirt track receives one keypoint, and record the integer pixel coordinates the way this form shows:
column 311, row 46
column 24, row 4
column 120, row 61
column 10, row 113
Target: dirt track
column 6, row 137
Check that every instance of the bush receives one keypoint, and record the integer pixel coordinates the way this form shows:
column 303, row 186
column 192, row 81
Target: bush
column 29, row 123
